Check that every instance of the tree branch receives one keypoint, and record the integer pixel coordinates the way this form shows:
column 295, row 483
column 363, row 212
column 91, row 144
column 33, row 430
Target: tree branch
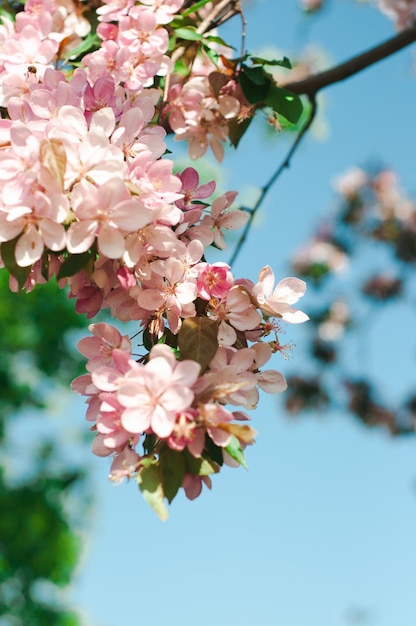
column 265, row 189
column 311, row 85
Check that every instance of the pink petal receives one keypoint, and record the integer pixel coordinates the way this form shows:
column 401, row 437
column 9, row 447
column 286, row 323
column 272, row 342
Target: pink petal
column 289, row 290
column 29, row 247
column 80, row 236
column 136, row 420
column 53, row 234
column 111, row 242
column 271, row 381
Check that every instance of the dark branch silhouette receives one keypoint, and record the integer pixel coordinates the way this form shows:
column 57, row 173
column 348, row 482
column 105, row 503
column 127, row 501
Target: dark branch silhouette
column 266, row 188
column 311, row 85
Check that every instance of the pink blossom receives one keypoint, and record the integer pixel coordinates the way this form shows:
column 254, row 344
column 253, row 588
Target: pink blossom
column 222, row 219
column 124, row 465
column 193, row 485
column 234, row 313
column 134, row 135
column 216, row 418
column 277, row 302
column 99, row 348
column 107, row 212
column 170, row 291
column 191, row 191
column 113, row 10
column 153, row 394
column 28, row 48
column 187, row 433
column 164, row 9
column 231, row 377
column 214, row 280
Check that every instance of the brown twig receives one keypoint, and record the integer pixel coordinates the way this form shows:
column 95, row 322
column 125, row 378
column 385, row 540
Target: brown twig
column 310, row 87
column 312, row 84
column 221, row 11
column 266, row 188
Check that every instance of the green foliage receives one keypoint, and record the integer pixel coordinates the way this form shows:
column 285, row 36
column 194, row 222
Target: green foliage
column 197, row 340
column 35, row 326
column 37, row 541
column 236, row 452
column 202, row 466
column 75, row 263
column 37, row 544
column 260, row 88
column 7, row 250
column 89, row 44
column 149, row 479
column 195, row 7
column 172, row 465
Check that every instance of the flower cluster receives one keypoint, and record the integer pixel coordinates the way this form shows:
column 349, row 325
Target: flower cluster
column 172, row 399
column 86, row 196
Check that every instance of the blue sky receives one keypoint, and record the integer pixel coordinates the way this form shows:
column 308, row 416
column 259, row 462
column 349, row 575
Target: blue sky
column 319, row 531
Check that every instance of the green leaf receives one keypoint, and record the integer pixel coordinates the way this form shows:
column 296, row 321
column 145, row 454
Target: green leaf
column 90, row 43
column 198, row 340
column 8, row 256
column 219, row 40
column 236, row 452
column 188, row 33
column 203, row 466
column 172, row 465
column 283, row 63
column 255, row 83
column 150, row 484
column 195, row 7
column 74, row 263
column 256, row 75
column 212, row 55
column 6, row 14
column 212, row 451
column 237, row 129
column 149, row 443
column 284, row 102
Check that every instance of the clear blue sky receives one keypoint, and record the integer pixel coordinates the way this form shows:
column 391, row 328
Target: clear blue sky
column 320, row 530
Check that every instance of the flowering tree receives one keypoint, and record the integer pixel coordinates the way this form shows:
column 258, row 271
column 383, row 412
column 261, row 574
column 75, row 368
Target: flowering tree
column 88, row 198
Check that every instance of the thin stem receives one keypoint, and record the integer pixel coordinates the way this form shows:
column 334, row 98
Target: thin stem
column 266, row 188
column 220, row 13
column 310, row 87
column 224, row 8
column 243, row 30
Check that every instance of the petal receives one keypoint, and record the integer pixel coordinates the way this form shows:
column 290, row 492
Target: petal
column 111, row 242
column 99, row 448
column 136, row 420
column 190, row 179
column 29, row 247
column 53, row 234
column 80, row 236
column 289, row 290
column 294, row 316
column 131, row 215
column 271, row 381
column 162, row 422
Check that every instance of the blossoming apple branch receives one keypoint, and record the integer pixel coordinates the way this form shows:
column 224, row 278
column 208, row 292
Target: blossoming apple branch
column 89, row 199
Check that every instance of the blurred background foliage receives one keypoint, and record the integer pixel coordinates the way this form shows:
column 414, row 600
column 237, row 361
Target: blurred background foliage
column 359, row 265
column 40, row 523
